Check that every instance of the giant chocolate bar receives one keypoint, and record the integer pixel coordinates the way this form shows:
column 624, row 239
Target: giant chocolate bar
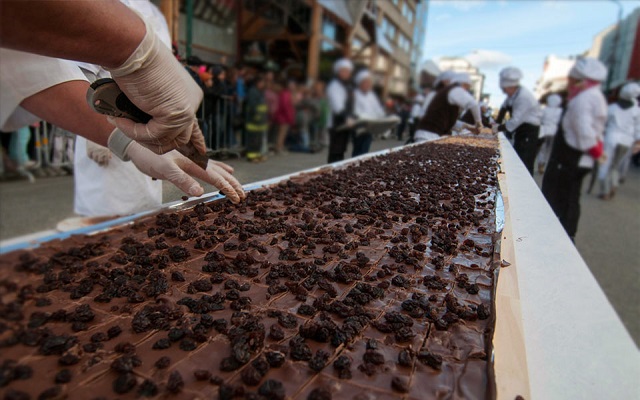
column 369, row 281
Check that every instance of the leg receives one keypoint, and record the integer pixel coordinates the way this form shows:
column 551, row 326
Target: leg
column 527, row 147
column 361, row 144
column 282, row 135
column 617, row 165
column 337, row 145
column 18, row 146
column 570, row 221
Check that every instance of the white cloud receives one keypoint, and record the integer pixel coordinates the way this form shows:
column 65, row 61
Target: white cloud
column 460, row 5
column 488, row 59
column 443, row 17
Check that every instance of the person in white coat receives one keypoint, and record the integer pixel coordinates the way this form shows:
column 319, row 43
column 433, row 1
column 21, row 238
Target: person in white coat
column 37, row 87
column 106, row 186
column 578, row 143
column 366, row 106
column 524, row 111
column 622, row 131
column 442, row 81
column 340, row 97
column 551, row 115
column 445, row 109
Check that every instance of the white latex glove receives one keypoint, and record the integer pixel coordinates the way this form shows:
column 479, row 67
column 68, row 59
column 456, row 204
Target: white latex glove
column 100, row 154
column 159, row 85
column 180, row 171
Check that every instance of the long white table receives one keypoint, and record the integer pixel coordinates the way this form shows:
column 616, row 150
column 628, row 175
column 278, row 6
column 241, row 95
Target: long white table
column 575, row 345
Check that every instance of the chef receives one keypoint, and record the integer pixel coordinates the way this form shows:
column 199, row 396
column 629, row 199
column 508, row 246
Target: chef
column 105, row 185
column 524, row 111
column 551, row 115
column 443, row 80
column 107, row 33
column 622, row 131
column 36, row 87
column 340, row 97
column 415, row 115
column 578, row 143
column 366, row 106
column 446, row 108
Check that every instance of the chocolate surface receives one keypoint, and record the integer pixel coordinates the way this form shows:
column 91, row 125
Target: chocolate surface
column 371, row 281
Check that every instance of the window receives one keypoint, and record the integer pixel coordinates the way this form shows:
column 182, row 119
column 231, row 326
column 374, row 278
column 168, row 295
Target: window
column 395, row 2
column 407, row 12
column 388, row 28
column 404, row 43
column 356, row 44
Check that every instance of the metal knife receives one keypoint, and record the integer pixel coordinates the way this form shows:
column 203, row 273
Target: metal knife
column 104, row 96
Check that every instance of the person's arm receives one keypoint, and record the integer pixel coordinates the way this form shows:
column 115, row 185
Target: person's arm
column 103, row 32
column 64, row 105
column 463, row 99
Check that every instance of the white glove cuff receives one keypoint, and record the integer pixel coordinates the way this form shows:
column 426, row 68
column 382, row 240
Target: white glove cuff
column 141, row 55
column 118, row 143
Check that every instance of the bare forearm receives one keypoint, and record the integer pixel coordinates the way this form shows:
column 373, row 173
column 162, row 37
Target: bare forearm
column 101, row 32
column 72, row 113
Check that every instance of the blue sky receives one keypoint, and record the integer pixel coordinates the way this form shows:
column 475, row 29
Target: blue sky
column 516, row 32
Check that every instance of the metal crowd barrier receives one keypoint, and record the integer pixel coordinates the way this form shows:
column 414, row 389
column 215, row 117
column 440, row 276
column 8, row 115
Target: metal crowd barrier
column 220, row 130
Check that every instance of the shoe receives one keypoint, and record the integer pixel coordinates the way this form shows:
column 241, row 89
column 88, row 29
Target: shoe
column 604, row 197
column 612, row 193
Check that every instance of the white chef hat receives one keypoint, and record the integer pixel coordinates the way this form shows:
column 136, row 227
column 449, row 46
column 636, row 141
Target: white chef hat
column 461, row 78
column 588, row 68
column 554, row 100
column 342, row 63
column 362, row 75
column 510, row 77
column 630, row 91
column 447, row 75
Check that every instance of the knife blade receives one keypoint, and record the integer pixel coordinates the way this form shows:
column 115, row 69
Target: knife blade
column 105, row 97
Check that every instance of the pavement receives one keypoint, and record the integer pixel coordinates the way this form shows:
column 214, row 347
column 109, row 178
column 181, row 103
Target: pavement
column 608, row 236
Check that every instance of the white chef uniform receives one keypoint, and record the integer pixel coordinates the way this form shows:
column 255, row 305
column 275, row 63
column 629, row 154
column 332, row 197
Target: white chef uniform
column 525, row 109
column 24, row 74
column 621, row 132
column 118, row 188
column 367, row 105
column 550, row 120
column 584, row 122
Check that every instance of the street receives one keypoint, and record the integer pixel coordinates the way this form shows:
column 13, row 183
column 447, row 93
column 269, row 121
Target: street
column 607, row 236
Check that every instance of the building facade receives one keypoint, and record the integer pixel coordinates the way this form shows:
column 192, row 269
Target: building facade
column 303, row 37
column 555, row 75
column 618, row 47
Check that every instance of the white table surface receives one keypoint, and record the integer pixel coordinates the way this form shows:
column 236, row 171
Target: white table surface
column 576, row 346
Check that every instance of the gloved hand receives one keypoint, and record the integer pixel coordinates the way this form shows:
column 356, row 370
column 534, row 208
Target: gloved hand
column 597, row 151
column 100, row 154
column 180, row 171
column 156, row 82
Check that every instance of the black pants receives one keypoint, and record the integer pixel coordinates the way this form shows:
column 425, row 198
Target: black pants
column 526, row 144
column 338, row 141
column 361, row 144
column 562, row 183
column 562, row 187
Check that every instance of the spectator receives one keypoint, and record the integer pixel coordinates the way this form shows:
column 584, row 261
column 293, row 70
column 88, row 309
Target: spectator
column 622, row 131
column 285, row 114
column 306, row 113
column 256, row 120
column 367, row 106
column 549, row 126
column 324, row 114
column 18, row 148
column 578, row 142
